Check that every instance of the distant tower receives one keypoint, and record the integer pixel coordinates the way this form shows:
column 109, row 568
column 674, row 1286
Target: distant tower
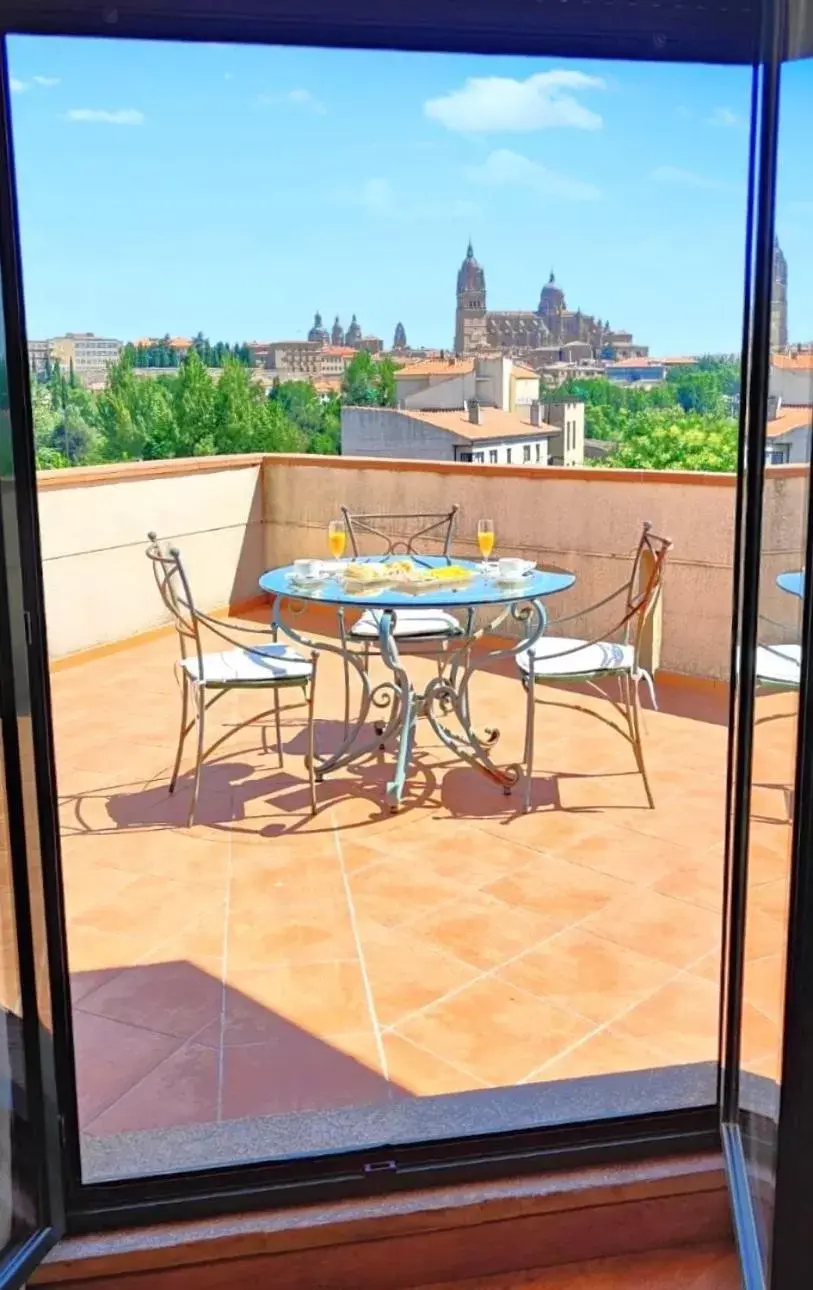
column 779, row 299
column 470, row 315
column 337, row 334
column 551, row 307
column 353, row 336
column 317, row 331
column 399, row 340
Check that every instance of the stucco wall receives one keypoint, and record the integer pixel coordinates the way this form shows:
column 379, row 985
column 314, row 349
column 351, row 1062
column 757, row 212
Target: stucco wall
column 235, row 517
column 585, row 521
column 98, row 584
column 384, row 432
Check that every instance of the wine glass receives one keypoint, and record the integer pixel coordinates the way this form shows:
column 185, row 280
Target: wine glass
column 485, row 537
column 336, row 538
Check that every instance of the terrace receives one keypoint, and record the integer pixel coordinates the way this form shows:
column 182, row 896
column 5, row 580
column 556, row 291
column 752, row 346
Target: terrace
column 267, row 981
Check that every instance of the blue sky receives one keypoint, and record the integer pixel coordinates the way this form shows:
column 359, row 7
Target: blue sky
column 169, row 187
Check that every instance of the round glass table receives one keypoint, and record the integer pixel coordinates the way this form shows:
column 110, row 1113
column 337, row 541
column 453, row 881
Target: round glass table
column 447, row 694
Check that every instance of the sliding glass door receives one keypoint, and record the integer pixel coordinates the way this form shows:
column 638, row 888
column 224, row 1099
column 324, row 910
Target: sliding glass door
column 31, row 1209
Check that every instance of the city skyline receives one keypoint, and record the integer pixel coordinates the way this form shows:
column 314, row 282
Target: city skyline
column 238, row 190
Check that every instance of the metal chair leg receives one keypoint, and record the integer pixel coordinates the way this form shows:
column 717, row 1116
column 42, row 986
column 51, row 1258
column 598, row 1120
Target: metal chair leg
column 311, row 734
column 278, row 728
column 200, row 699
column 632, row 706
column 185, row 727
column 530, row 713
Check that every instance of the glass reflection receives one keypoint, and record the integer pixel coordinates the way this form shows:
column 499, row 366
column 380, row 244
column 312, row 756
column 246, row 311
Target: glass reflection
column 782, row 584
column 17, row 1213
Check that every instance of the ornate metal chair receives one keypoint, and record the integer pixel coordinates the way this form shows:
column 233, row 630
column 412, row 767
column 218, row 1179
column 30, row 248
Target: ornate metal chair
column 416, row 629
column 262, row 667
column 561, row 660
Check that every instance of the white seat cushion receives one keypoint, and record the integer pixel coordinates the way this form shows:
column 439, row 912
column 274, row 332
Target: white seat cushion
column 779, row 664
column 409, row 622
column 563, row 656
column 262, row 663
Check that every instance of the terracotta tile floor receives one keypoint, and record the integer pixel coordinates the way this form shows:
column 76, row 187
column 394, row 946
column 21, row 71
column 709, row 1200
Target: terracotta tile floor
column 267, row 961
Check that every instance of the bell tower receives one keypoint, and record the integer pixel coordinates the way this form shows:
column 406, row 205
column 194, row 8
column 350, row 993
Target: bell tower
column 470, row 315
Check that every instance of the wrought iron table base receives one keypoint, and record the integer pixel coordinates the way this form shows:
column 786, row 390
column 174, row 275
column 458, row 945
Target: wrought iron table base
column 445, row 695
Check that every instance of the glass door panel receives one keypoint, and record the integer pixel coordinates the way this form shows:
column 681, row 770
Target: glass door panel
column 773, row 802
column 30, row 1197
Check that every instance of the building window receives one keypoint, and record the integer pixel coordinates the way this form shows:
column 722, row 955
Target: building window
column 479, row 457
column 464, row 456
column 777, row 454
column 539, row 452
column 492, row 456
column 526, row 452
column 508, row 455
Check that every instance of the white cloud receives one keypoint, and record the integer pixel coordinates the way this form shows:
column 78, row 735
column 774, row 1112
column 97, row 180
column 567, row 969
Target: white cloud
column 379, row 199
column 506, row 169
column 17, row 87
column 724, row 116
column 120, row 116
column 502, row 103
column 300, row 98
column 684, row 178
column 47, row 81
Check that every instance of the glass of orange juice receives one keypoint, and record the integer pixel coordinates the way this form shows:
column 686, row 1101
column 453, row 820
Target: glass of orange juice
column 485, row 537
column 336, row 538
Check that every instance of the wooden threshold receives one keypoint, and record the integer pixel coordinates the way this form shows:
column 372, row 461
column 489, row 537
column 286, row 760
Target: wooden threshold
column 414, row 1238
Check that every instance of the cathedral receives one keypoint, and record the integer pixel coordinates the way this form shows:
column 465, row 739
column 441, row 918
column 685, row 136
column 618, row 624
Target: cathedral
column 548, row 334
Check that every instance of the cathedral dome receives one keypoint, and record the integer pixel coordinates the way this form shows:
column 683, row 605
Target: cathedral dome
column 552, row 296
column 317, row 331
column 471, row 276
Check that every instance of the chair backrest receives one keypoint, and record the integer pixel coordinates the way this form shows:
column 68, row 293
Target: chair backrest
column 400, row 534
column 645, row 584
column 176, row 595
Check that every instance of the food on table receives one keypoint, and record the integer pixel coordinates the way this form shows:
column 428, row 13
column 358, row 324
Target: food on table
column 405, row 572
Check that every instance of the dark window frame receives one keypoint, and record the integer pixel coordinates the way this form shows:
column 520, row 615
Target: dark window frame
column 613, row 31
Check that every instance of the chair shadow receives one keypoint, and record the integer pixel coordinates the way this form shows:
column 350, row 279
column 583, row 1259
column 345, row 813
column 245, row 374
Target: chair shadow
column 211, row 1053
column 232, row 784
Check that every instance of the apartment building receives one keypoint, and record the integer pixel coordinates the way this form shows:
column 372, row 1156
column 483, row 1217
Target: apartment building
column 89, row 354
column 542, row 434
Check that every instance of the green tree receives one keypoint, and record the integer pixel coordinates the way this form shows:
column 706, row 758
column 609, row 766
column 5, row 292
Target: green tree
column 386, row 387
column 193, row 399
column 671, row 439
column 368, row 383
column 359, row 384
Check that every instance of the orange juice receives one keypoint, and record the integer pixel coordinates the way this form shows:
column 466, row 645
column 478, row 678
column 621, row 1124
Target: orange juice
column 485, row 542
column 336, row 540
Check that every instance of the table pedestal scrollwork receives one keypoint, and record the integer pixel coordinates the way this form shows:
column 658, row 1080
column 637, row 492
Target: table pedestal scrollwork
column 445, row 696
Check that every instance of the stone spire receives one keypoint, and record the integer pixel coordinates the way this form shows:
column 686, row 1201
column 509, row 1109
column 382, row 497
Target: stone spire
column 337, row 333
column 399, row 340
column 353, row 332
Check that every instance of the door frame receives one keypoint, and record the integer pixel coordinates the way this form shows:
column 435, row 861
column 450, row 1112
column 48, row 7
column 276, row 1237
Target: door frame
column 717, row 32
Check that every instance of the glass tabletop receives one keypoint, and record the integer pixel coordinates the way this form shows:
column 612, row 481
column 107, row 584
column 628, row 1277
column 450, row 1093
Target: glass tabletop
column 792, row 582
column 480, row 590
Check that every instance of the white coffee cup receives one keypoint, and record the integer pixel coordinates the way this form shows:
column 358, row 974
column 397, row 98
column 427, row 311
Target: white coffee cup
column 510, row 568
column 307, row 568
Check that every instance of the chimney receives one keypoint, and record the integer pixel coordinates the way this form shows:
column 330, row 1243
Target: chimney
column 475, row 413
column 774, row 406
column 537, row 409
